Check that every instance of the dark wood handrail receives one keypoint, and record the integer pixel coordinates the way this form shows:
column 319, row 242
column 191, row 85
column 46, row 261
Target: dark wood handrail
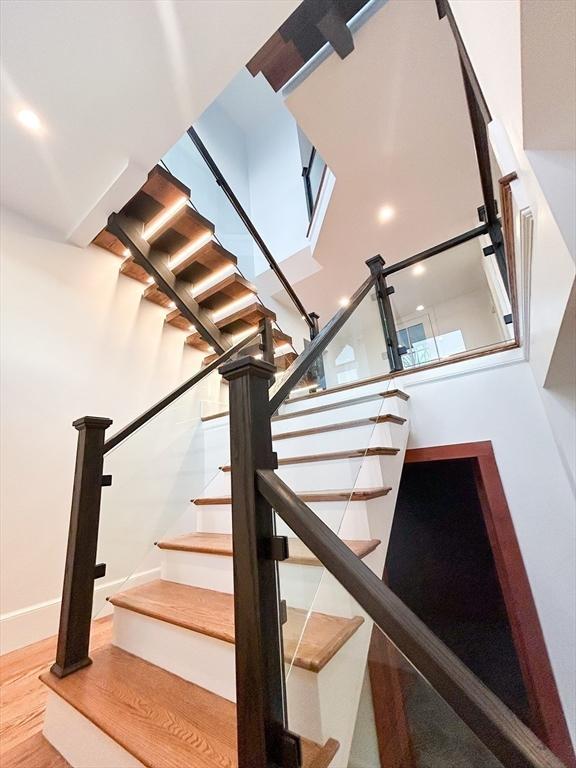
column 454, row 242
column 294, row 372
column 139, row 421
column 495, row 725
column 237, row 205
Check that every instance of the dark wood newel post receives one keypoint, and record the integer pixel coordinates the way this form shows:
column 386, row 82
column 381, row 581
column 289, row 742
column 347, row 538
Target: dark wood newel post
column 319, row 364
column 263, row 741
column 376, row 266
column 78, row 591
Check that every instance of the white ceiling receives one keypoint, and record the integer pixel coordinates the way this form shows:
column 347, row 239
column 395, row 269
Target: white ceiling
column 392, row 123
column 116, row 83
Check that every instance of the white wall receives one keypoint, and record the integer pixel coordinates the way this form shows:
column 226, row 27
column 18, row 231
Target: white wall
column 502, row 404
column 276, row 187
column 77, row 340
column 500, row 77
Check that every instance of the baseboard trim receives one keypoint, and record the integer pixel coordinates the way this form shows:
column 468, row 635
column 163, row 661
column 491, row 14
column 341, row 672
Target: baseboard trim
column 38, row 621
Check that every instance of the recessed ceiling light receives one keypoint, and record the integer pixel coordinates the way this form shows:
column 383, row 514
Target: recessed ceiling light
column 30, row 120
column 420, row 307
column 344, row 301
column 419, row 269
column 386, row 213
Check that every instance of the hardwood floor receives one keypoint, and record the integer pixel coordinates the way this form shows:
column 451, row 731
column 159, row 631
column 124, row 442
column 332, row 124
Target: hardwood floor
column 23, row 696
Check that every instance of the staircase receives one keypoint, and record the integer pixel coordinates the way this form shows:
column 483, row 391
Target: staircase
column 162, row 695
column 204, row 271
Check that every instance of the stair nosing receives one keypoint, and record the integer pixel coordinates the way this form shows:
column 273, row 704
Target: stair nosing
column 360, row 453
column 363, row 494
column 174, row 545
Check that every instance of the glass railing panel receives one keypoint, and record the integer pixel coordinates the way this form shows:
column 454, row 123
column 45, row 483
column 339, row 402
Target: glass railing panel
column 357, row 352
column 349, row 682
column 315, row 176
column 186, row 163
column 449, row 305
column 401, row 720
column 357, row 506
column 156, row 473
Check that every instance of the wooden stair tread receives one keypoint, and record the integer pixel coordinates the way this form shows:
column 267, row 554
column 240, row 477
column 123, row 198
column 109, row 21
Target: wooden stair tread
column 160, row 192
column 232, row 288
column 279, row 339
column 327, row 407
column 154, row 294
column 362, row 494
column 34, row 752
column 133, row 270
column 200, row 264
column 221, row 544
column 159, row 718
column 359, row 453
column 368, row 421
column 185, row 228
column 243, row 319
column 211, row 613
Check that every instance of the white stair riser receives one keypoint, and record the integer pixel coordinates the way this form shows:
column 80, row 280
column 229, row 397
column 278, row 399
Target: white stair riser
column 334, row 475
column 218, row 518
column 340, row 397
column 356, row 438
column 203, row 660
column 298, row 583
column 366, row 410
column 81, row 742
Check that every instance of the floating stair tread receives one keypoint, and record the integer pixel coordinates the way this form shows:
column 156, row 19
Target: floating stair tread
column 110, row 242
column 35, row 752
column 159, row 718
column 182, row 230
column 154, row 294
column 221, row 544
column 279, row 338
column 327, row 407
column 362, row 494
column 359, row 453
column 232, row 288
column 133, row 270
column 285, row 360
column 243, row 319
column 212, row 613
column 384, row 418
column 199, row 265
column 161, row 191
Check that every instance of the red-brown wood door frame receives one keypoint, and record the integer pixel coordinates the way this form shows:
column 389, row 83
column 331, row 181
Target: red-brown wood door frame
column 549, row 722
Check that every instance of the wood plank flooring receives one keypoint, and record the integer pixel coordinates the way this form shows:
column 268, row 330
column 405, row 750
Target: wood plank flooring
column 22, row 695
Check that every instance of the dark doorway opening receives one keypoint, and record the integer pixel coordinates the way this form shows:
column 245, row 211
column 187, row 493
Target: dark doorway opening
column 455, row 561
column 440, row 564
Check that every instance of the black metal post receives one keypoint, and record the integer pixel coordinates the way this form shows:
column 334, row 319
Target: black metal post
column 263, row 741
column 319, row 371
column 267, row 340
column 376, row 265
column 80, row 572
